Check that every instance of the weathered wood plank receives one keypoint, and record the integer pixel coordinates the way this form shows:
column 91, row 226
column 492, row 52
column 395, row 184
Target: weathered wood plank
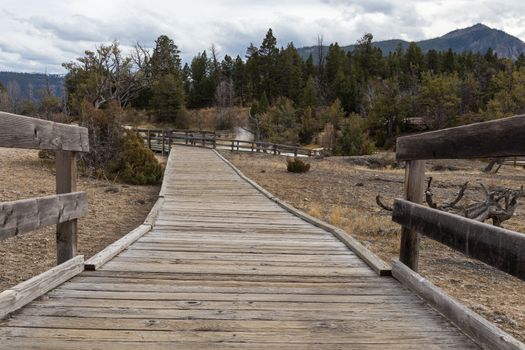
column 496, row 138
column 482, row 331
column 495, row 246
column 17, row 131
column 379, row 266
column 414, row 189
column 66, row 182
column 14, row 298
column 115, row 248
column 25, row 215
column 154, row 212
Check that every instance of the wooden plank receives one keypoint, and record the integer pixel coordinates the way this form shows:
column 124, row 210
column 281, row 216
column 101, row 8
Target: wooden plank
column 496, row 138
column 25, row 215
column 14, row 298
column 115, row 248
column 479, row 329
column 17, row 131
column 495, row 246
column 414, row 189
column 66, row 181
column 154, row 212
column 379, row 266
column 168, row 170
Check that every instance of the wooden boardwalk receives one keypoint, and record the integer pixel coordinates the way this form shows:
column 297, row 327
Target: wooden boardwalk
column 226, row 268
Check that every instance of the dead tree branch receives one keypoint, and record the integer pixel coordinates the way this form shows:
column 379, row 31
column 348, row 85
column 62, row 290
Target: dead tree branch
column 498, row 204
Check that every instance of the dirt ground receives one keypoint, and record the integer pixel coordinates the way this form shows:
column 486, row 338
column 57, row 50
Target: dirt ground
column 114, row 210
column 342, row 191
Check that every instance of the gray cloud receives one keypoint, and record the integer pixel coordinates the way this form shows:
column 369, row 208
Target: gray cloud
column 36, row 37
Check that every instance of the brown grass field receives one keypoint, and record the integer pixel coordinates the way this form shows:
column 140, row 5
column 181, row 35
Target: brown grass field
column 114, row 210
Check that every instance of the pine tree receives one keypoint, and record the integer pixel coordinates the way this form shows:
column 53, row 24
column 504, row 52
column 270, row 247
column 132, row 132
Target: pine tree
column 309, row 95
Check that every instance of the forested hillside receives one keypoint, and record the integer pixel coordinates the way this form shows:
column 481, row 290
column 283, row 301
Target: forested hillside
column 350, row 102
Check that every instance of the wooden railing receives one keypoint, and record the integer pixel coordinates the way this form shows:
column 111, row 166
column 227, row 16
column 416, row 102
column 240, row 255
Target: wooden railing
column 162, row 140
column 62, row 209
column 498, row 247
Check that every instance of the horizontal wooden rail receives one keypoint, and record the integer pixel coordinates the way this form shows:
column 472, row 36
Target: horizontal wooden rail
column 29, row 214
column 495, row 246
column 17, row 131
column 496, row 138
column 158, row 140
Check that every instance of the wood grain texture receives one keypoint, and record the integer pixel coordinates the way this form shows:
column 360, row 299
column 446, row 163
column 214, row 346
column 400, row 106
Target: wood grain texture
column 414, row 190
column 378, row 265
column 225, row 267
column 17, row 131
column 115, row 248
column 496, row 138
column 495, row 246
column 26, row 215
column 66, row 182
column 481, row 330
column 14, row 298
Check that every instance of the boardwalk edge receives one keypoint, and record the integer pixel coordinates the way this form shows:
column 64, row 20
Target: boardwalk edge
column 115, row 248
column 22, row 294
column 480, row 330
column 372, row 260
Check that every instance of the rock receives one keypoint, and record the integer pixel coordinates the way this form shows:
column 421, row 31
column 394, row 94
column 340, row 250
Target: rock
column 112, row 189
column 359, row 184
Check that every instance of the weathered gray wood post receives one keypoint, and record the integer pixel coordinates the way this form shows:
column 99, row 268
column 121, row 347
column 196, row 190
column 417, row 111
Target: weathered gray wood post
column 149, row 139
column 169, row 141
column 414, row 190
column 66, row 182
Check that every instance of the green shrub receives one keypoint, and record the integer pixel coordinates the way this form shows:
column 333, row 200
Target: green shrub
column 296, row 165
column 354, row 140
column 136, row 164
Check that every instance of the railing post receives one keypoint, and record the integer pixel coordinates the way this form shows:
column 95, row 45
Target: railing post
column 414, row 190
column 238, row 146
column 295, row 152
column 204, row 139
column 232, row 144
column 274, row 149
column 252, row 146
column 169, row 141
column 186, row 136
column 163, row 135
column 66, row 182
column 149, row 138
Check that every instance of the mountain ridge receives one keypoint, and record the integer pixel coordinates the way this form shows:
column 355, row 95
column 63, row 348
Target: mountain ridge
column 476, row 38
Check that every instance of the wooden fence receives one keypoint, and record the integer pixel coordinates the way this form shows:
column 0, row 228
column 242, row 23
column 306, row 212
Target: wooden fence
column 501, row 248
column 62, row 209
column 161, row 141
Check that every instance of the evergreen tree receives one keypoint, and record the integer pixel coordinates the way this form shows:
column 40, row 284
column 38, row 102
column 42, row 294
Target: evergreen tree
column 309, row 94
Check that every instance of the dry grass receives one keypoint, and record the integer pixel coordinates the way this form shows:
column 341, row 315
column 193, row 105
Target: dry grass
column 114, row 210
column 338, row 191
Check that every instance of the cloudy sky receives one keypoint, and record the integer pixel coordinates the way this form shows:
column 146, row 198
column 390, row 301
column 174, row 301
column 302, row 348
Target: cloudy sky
column 36, row 35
